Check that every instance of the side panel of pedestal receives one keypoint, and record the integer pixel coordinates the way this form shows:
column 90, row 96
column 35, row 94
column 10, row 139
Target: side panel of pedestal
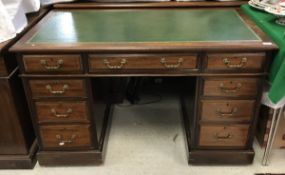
column 17, row 140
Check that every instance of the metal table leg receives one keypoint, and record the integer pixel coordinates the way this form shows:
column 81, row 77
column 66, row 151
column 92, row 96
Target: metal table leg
column 272, row 133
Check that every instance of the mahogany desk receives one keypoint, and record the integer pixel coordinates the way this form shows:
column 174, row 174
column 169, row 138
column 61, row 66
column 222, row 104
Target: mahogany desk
column 68, row 59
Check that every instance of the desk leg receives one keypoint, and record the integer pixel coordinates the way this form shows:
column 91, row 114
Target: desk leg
column 272, row 133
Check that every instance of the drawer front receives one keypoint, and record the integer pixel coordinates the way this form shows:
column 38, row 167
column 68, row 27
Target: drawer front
column 97, row 63
column 227, row 110
column 52, row 63
column 230, row 87
column 234, row 62
column 3, row 70
column 62, row 111
column 66, row 136
column 223, row 135
column 58, row 88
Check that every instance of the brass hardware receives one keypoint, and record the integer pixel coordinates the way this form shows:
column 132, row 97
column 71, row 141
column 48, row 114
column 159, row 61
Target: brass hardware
column 56, row 114
column 108, row 64
column 225, row 114
column 64, row 88
column 62, row 141
column 57, row 66
column 223, row 136
column 230, row 89
column 242, row 63
column 171, row 66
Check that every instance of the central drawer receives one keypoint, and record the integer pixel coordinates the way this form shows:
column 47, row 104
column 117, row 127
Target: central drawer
column 62, row 111
column 58, row 88
column 117, row 62
column 65, row 136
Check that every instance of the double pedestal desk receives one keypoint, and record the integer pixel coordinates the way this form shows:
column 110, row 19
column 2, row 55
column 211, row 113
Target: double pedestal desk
column 68, row 61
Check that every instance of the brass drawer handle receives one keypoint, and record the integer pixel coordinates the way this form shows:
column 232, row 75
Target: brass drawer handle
column 56, row 114
column 171, row 66
column 242, row 63
column 62, row 141
column 57, row 66
column 230, row 89
column 108, row 64
column 225, row 114
column 64, row 88
column 220, row 136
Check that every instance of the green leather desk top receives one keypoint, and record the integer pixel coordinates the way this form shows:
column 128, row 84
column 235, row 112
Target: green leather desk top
column 104, row 26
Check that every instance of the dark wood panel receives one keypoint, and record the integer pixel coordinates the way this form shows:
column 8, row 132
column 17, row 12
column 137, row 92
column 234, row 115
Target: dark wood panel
column 52, row 63
column 70, row 158
column 230, row 87
column 20, row 161
column 58, row 88
column 3, row 70
column 221, row 157
column 235, row 61
column 223, row 135
column 61, row 137
column 265, row 115
column 11, row 133
column 62, row 111
column 143, row 73
column 227, row 110
column 126, row 62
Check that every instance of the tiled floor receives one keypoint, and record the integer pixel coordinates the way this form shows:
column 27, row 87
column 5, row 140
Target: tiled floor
column 148, row 140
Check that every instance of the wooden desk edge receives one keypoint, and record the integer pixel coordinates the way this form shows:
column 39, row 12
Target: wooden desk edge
column 166, row 4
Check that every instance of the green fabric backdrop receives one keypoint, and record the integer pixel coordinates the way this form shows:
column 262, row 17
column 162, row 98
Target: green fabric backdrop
column 277, row 71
